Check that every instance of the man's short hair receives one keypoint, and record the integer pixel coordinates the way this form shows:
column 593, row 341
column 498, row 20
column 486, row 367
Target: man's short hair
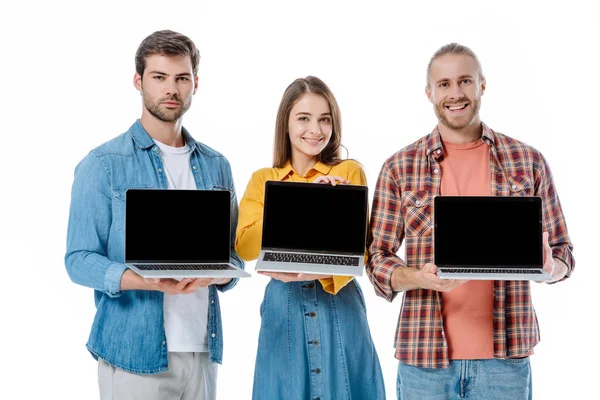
column 167, row 43
column 457, row 49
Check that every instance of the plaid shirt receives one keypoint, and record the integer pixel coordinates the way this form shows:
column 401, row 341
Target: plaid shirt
column 402, row 206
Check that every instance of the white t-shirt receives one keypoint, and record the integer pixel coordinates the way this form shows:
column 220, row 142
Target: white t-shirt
column 186, row 315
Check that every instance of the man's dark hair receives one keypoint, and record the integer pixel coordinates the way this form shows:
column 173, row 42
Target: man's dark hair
column 168, row 43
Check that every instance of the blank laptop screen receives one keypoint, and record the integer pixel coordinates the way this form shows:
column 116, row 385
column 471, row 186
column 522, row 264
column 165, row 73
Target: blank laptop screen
column 185, row 226
column 315, row 217
column 488, row 231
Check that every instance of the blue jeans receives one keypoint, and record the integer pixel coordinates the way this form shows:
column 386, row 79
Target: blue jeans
column 493, row 379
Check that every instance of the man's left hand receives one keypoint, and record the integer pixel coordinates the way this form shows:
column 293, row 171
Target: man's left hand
column 554, row 267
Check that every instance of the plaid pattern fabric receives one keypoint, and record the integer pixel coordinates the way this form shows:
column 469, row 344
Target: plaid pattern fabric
column 402, row 206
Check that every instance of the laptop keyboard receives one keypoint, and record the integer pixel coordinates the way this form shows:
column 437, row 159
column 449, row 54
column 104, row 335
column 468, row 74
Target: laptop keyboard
column 311, row 259
column 184, row 267
column 490, row 271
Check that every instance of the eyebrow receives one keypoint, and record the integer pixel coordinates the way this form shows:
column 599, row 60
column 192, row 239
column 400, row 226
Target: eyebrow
column 306, row 113
column 165, row 74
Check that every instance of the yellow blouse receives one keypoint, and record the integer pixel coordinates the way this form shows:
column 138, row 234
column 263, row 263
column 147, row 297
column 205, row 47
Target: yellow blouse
column 249, row 229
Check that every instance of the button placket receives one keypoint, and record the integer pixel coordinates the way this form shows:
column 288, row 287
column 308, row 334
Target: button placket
column 313, row 335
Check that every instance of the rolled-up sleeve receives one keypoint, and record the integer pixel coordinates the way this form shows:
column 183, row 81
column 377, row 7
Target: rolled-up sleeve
column 553, row 218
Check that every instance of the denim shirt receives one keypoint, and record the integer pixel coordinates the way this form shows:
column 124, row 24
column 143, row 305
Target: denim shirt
column 128, row 329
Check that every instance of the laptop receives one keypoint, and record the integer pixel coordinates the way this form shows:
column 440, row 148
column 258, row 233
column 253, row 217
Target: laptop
column 179, row 233
column 488, row 238
column 314, row 228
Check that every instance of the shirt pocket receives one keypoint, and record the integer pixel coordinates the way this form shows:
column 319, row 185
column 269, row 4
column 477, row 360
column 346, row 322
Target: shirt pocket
column 417, row 213
column 520, row 186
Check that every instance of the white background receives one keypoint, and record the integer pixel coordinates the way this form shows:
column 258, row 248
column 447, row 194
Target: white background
column 66, row 86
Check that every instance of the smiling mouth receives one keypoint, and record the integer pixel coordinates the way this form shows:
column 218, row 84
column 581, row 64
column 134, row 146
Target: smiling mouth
column 313, row 140
column 456, row 107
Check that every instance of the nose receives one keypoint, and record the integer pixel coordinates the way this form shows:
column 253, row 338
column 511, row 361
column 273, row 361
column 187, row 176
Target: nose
column 456, row 92
column 314, row 127
column 171, row 87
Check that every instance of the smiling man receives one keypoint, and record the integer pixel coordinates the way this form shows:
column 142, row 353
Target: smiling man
column 458, row 339
column 152, row 339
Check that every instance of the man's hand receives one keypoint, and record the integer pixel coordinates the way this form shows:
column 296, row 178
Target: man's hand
column 173, row 286
column 554, row 267
column 293, row 277
column 132, row 281
column 549, row 263
column 333, row 180
column 404, row 278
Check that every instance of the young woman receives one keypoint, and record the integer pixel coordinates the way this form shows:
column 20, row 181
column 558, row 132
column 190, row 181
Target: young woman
column 314, row 340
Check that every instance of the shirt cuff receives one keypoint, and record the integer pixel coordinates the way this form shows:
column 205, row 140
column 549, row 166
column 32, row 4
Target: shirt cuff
column 112, row 279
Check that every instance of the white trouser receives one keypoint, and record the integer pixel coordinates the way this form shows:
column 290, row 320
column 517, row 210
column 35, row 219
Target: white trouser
column 190, row 377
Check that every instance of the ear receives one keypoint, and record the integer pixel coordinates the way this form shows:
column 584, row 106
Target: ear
column 137, row 81
column 429, row 94
column 482, row 86
column 195, row 84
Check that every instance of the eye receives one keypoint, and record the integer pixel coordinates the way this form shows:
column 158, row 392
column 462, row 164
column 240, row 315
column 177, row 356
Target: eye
column 326, row 120
column 183, row 79
column 443, row 85
column 303, row 118
column 158, row 77
column 466, row 81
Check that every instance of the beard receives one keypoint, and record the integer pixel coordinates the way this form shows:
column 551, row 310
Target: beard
column 461, row 122
column 163, row 113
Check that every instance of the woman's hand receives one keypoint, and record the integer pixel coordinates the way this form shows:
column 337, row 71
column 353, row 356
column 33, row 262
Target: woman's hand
column 333, row 180
column 293, row 277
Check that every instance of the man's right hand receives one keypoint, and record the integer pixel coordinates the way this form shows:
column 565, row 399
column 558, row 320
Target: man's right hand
column 173, row 286
column 132, row 281
column 430, row 280
column 405, row 278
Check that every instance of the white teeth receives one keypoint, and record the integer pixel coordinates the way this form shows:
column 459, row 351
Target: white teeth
column 312, row 140
column 454, row 108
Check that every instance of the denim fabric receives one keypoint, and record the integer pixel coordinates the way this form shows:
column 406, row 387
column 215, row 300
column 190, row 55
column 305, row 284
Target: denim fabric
column 314, row 345
column 128, row 329
column 494, row 379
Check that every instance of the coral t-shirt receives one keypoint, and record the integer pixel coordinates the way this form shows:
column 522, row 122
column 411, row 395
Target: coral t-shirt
column 468, row 310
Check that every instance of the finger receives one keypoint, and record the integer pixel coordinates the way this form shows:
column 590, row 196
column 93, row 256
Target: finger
column 182, row 284
column 280, row 276
column 331, row 180
column 204, row 282
column 196, row 284
column 312, row 277
column 547, row 248
column 430, row 268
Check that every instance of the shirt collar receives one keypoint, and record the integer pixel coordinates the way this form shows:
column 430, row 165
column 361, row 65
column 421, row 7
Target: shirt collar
column 287, row 170
column 434, row 140
column 144, row 140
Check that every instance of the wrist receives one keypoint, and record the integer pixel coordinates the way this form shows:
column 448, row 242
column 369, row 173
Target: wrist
column 404, row 278
column 132, row 281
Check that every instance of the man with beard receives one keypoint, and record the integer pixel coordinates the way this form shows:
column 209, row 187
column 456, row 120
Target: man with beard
column 153, row 339
column 459, row 339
